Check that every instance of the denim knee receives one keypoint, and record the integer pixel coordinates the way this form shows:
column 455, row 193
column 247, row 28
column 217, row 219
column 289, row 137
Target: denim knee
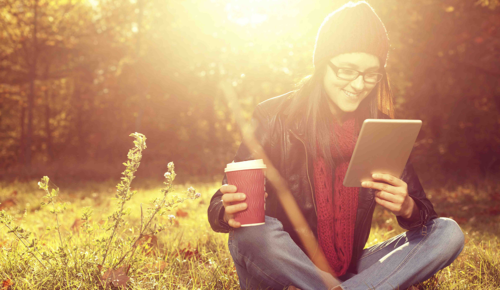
column 259, row 238
column 452, row 237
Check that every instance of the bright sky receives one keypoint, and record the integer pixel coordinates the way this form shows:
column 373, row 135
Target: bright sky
column 241, row 15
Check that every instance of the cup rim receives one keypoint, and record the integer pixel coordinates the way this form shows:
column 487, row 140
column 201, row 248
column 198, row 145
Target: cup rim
column 245, row 165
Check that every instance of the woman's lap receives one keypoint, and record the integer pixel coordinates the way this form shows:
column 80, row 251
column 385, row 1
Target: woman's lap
column 266, row 255
column 409, row 258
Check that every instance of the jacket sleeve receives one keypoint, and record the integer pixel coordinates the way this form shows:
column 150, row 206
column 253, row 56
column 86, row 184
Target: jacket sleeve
column 260, row 123
column 426, row 210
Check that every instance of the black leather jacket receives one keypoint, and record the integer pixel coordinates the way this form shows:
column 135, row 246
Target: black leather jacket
column 286, row 148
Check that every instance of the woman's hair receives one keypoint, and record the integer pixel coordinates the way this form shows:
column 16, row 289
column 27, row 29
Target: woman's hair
column 310, row 104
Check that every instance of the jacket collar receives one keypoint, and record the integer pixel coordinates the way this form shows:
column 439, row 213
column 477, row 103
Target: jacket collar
column 298, row 126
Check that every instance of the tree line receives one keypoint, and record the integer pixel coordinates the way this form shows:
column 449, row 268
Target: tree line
column 78, row 76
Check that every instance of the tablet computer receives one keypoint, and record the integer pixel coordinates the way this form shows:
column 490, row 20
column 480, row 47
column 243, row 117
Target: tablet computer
column 383, row 146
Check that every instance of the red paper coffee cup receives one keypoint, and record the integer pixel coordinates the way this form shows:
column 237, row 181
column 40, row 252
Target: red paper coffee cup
column 249, row 178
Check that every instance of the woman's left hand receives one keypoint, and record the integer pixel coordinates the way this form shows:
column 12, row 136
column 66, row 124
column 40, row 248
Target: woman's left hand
column 393, row 196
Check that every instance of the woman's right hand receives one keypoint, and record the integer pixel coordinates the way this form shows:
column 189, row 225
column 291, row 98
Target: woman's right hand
column 229, row 197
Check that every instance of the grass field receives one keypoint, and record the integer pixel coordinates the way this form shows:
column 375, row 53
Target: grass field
column 188, row 254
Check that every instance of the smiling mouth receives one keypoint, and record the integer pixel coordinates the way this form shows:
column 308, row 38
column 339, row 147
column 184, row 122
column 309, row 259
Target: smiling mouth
column 350, row 95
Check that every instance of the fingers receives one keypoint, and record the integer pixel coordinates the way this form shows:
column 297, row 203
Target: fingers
column 233, row 203
column 390, row 197
column 377, row 185
column 232, row 209
column 383, row 187
column 234, row 223
column 389, row 179
column 395, row 208
column 227, row 188
column 229, row 198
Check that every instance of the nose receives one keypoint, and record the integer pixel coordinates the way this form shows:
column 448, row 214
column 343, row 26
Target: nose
column 358, row 84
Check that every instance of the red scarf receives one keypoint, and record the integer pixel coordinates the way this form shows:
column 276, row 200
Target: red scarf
column 337, row 215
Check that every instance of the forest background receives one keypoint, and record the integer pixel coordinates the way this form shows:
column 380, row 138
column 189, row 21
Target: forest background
column 78, row 76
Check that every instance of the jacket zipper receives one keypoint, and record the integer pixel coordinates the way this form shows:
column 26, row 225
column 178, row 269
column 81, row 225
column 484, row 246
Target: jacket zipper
column 307, row 170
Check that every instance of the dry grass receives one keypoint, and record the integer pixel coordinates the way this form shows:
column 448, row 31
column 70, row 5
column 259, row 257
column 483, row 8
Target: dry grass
column 192, row 256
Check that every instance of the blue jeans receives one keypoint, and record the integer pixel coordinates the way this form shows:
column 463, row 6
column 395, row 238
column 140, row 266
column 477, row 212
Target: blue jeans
column 267, row 258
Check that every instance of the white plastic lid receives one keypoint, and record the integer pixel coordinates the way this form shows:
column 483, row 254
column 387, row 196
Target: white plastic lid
column 245, row 165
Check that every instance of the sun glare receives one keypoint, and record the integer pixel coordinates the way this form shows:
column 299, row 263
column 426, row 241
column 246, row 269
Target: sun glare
column 239, row 14
column 94, row 3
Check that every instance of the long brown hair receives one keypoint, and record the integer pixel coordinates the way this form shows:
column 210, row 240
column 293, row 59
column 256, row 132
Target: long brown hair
column 310, row 105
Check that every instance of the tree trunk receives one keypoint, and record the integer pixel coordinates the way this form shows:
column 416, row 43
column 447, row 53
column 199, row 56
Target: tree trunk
column 31, row 96
column 140, row 88
column 48, row 130
column 29, row 133
column 210, row 113
column 79, row 122
column 496, row 98
column 22, row 144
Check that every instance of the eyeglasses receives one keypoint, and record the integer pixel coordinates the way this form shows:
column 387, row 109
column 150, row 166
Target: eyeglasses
column 348, row 74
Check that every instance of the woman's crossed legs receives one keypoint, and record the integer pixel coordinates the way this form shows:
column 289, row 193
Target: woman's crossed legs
column 267, row 258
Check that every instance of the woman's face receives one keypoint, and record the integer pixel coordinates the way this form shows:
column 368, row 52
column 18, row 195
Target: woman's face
column 347, row 95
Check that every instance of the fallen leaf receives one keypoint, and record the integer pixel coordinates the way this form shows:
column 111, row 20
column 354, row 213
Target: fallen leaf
column 6, row 284
column 116, row 277
column 33, row 209
column 188, row 253
column 14, row 193
column 181, row 213
column 8, row 203
column 77, row 225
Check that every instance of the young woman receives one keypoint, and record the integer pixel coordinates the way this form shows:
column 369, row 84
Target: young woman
column 309, row 136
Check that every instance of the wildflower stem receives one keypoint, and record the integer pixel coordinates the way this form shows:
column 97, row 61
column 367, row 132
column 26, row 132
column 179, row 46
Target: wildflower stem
column 57, row 222
column 143, row 228
column 24, row 243
column 124, row 193
column 146, row 226
column 142, row 218
column 112, row 236
column 141, row 234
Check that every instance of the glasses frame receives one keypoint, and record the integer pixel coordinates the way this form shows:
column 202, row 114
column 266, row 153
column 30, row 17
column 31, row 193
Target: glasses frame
column 336, row 70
